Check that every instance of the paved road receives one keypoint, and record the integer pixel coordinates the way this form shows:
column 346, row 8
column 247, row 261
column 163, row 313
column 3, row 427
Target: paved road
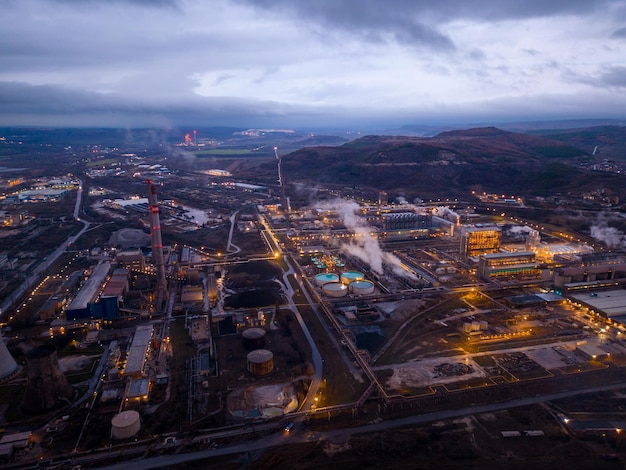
column 298, row 437
column 51, row 258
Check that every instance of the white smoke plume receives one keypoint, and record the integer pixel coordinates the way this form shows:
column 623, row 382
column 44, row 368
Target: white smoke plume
column 401, row 200
column 517, row 229
column 446, row 213
column 365, row 246
column 610, row 236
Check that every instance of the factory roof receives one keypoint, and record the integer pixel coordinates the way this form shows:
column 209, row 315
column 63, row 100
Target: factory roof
column 611, row 302
column 137, row 351
column 519, row 254
column 115, row 287
column 138, row 388
column 91, row 287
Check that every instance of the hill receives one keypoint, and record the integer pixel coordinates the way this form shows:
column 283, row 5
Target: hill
column 453, row 163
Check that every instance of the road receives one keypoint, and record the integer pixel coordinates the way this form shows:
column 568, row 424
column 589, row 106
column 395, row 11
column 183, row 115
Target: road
column 295, row 437
column 51, row 258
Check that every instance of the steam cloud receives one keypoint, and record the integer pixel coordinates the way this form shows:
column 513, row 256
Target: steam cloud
column 518, row 229
column 446, row 213
column 610, row 236
column 365, row 246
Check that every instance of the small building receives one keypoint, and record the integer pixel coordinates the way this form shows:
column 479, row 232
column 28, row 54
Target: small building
column 521, row 264
column 591, row 352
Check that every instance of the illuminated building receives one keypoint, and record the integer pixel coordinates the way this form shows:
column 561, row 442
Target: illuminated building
column 520, row 264
column 477, row 241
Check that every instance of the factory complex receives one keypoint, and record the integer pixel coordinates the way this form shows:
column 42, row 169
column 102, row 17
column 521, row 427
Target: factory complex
column 310, row 314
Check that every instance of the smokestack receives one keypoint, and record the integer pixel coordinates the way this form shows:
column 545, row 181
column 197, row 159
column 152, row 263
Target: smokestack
column 195, row 138
column 46, row 386
column 157, row 244
column 7, row 364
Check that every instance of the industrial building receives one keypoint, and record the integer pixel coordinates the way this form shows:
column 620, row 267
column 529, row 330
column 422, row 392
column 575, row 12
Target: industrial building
column 138, row 352
column 480, row 240
column 608, row 303
column 595, row 270
column 78, row 309
column 100, row 298
column 521, row 264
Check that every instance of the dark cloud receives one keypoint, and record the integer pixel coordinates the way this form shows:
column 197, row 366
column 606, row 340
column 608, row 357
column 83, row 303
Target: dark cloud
column 619, row 34
column 375, row 14
column 614, row 77
column 374, row 21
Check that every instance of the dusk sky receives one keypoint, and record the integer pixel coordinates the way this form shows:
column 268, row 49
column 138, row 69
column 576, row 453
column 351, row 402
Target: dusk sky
column 289, row 63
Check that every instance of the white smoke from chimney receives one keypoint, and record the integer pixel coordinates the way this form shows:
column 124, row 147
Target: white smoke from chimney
column 444, row 212
column 364, row 246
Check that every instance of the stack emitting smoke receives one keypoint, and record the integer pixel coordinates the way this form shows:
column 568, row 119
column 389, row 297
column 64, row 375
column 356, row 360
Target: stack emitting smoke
column 46, row 386
column 7, row 364
column 157, row 243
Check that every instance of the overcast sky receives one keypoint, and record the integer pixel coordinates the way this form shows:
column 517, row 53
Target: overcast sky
column 292, row 63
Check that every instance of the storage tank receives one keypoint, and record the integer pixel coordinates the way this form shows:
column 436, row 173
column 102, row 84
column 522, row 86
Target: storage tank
column 7, row 363
column 335, row 289
column 46, row 386
column 361, row 287
column 467, row 327
column 260, row 362
column 475, row 326
column 254, row 338
column 125, row 425
column 351, row 276
column 325, row 278
column 484, row 325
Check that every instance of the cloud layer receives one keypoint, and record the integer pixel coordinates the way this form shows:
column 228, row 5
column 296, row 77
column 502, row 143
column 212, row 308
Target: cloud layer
column 279, row 62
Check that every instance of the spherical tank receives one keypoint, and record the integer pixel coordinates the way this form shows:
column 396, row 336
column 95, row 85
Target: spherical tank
column 125, row 425
column 253, row 338
column 335, row 289
column 351, row 276
column 260, row 362
column 362, row 287
column 325, row 278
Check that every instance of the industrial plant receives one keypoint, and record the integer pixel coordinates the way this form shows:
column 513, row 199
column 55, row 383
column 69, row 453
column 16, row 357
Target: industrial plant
column 189, row 310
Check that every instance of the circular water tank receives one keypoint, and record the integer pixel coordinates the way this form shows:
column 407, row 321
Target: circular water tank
column 125, row 425
column 362, row 287
column 335, row 289
column 325, row 278
column 260, row 362
column 254, row 338
column 351, row 276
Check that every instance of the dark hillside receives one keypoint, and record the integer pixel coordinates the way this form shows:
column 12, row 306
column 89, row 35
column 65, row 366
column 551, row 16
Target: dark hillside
column 452, row 163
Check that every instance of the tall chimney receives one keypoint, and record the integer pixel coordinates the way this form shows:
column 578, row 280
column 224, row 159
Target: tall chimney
column 157, row 243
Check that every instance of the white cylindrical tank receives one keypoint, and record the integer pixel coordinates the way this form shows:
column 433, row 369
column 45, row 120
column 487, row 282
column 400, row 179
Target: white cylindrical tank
column 335, row 289
column 467, row 327
column 325, row 278
column 351, row 276
column 125, row 425
column 361, row 287
column 483, row 325
column 260, row 362
column 7, row 363
column 475, row 326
